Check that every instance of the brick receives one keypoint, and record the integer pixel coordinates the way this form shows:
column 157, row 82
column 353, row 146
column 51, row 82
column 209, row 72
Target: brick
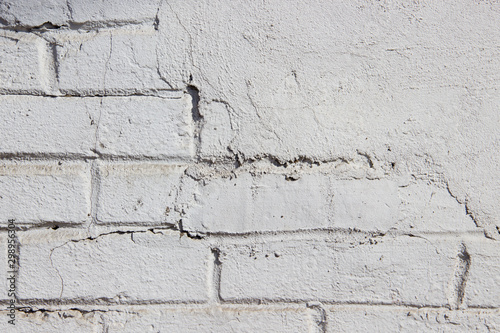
column 128, row 11
column 271, row 202
column 38, row 193
column 142, row 266
column 426, row 207
column 405, row 270
column 216, row 319
column 33, row 13
column 146, row 127
column 22, row 64
column 61, row 12
column 117, row 62
column 394, row 319
column 53, row 322
column 483, row 279
column 41, row 125
column 138, row 193
column 365, row 204
column 217, row 130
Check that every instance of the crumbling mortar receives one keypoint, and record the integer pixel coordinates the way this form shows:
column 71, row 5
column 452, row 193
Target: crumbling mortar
column 92, row 94
column 216, row 275
column 206, row 168
column 31, row 309
column 322, row 320
column 70, row 10
column 459, row 280
column 71, row 25
column 198, row 120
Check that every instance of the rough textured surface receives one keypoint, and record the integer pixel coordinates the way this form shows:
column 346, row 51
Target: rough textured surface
column 54, row 322
column 37, row 125
column 224, row 319
column 279, row 202
column 250, row 166
column 41, row 193
column 118, row 267
column 110, row 62
column 346, row 273
column 29, row 53
column 145, row 126
column 138, row 193
column 351, row 319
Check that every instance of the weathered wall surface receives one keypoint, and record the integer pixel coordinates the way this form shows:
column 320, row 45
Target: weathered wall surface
column 226, row 166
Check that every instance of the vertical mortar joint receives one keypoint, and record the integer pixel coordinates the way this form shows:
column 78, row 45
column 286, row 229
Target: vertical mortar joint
column 196, row 115
column 320, row 316
column 216, row 274
column 459, row 280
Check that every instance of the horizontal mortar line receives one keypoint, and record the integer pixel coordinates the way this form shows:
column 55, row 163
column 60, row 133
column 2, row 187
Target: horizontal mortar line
column 27, row 226
column 24, row 226
column 106, row 230
column 86, row 26
column 226, row 236
column 407, row 307
column 266, row 303
column 54, row 157
column 482, row 307
column 150, row 93
column 96, row 302
column 336, row 231
column 150, row 225
column 239, row 307
column 166, row 306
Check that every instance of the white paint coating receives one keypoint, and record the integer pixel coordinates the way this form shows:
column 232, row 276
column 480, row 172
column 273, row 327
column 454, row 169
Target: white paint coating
column 338, row 157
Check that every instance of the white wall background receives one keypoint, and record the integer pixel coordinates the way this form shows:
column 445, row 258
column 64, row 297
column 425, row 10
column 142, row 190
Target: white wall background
column 251, row 166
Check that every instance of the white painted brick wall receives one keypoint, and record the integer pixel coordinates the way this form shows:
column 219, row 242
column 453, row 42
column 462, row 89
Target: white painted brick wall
column 236, row 166
column 146, row 127
column 225, row 319
column 130, row 11
column 353, row 318
column 114, row 62
column 54, row 322
column 484, row 274
column 311, row 270
column 61, row 12
column 57, row 126
column 22, row 62
column 44, row 193
column 138, row 193
column 131, row 126
column 117, row 267
column 279, row 202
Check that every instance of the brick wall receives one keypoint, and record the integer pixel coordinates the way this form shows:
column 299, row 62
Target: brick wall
column 235, row 166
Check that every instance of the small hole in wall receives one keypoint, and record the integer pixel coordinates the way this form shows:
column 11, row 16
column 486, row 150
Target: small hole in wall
column 55, row 227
